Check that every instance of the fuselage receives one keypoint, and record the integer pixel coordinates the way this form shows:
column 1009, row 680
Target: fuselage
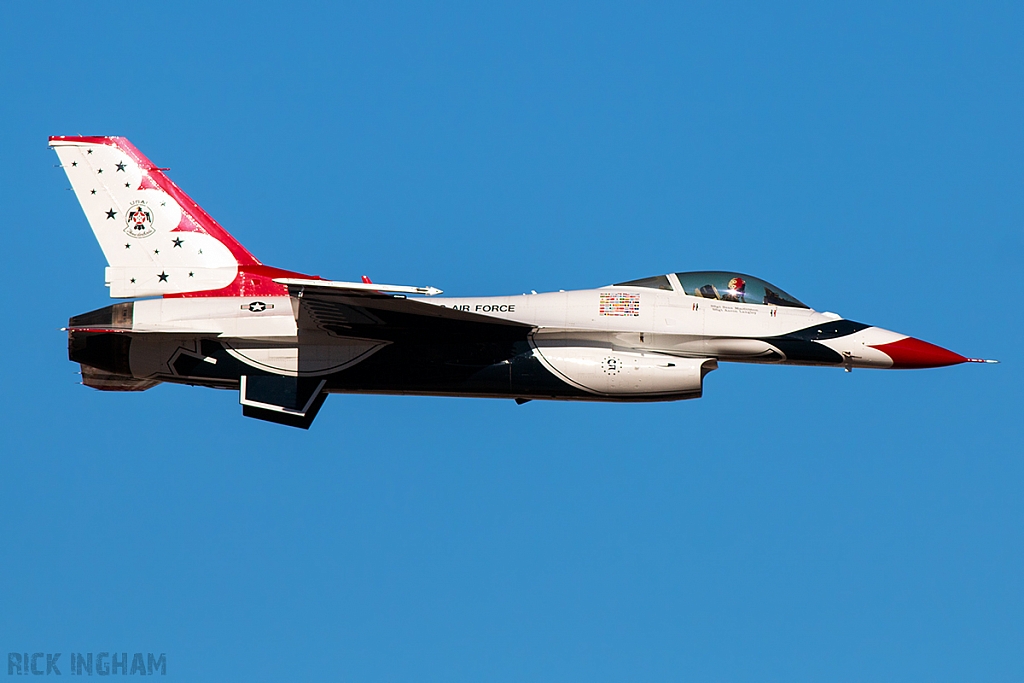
column 619, row 342
column 618, row 317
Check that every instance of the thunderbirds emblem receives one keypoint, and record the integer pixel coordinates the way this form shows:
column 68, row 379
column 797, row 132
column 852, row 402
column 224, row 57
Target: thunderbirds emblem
column 140, row 220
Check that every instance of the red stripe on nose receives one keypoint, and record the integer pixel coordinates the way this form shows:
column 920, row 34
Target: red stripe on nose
column 914, row 353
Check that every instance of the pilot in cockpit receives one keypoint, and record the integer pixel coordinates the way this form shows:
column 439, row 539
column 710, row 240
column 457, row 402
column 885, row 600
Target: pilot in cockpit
column 737, row 290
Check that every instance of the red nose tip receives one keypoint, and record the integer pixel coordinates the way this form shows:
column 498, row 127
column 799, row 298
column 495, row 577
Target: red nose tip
column 914, row 353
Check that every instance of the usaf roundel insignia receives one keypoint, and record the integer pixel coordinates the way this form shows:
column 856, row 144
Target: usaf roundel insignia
column 257, row 306
column 140, row 220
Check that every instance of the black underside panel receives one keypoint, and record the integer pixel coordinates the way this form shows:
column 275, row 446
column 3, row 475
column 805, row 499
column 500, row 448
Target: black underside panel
column 801, row 346
column 801, row 351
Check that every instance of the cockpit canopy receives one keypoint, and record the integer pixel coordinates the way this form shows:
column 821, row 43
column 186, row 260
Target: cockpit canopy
column 742, row 289
column 723, row 286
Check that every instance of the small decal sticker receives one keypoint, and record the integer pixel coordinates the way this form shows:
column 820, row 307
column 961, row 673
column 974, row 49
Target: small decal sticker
column 619, row 303
column 257, row 306
column 140, row 220
column 611, row 365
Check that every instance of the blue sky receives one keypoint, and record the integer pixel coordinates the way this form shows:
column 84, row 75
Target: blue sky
column 794, row 524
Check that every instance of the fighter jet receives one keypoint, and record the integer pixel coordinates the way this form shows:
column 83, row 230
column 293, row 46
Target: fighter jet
column 204, row 311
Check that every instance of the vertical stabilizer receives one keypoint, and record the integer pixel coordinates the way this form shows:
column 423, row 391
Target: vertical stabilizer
column 156, row 240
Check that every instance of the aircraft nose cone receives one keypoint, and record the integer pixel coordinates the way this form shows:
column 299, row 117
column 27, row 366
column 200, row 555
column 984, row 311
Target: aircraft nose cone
column 913, row 353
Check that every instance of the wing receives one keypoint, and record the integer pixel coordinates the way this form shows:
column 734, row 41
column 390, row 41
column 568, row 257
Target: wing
column 370, row 312
column 413, row 334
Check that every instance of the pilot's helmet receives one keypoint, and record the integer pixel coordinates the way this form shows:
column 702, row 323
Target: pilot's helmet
column 737, row 284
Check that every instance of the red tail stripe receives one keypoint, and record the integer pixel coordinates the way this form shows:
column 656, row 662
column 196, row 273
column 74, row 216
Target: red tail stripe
column 202, row 220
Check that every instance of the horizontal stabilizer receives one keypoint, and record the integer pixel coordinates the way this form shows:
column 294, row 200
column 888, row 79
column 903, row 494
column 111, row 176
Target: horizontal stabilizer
column 110, row 381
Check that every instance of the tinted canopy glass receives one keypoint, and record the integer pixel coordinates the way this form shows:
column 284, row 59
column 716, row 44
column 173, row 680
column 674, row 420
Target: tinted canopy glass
column 744, row 289
column 656, row 282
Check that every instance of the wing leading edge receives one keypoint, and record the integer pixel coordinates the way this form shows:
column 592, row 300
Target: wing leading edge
column 370, row 311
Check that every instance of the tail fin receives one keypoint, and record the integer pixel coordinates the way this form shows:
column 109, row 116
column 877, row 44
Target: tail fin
column 157, row 241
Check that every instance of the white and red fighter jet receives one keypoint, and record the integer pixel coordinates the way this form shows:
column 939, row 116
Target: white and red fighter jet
column 207, row 312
